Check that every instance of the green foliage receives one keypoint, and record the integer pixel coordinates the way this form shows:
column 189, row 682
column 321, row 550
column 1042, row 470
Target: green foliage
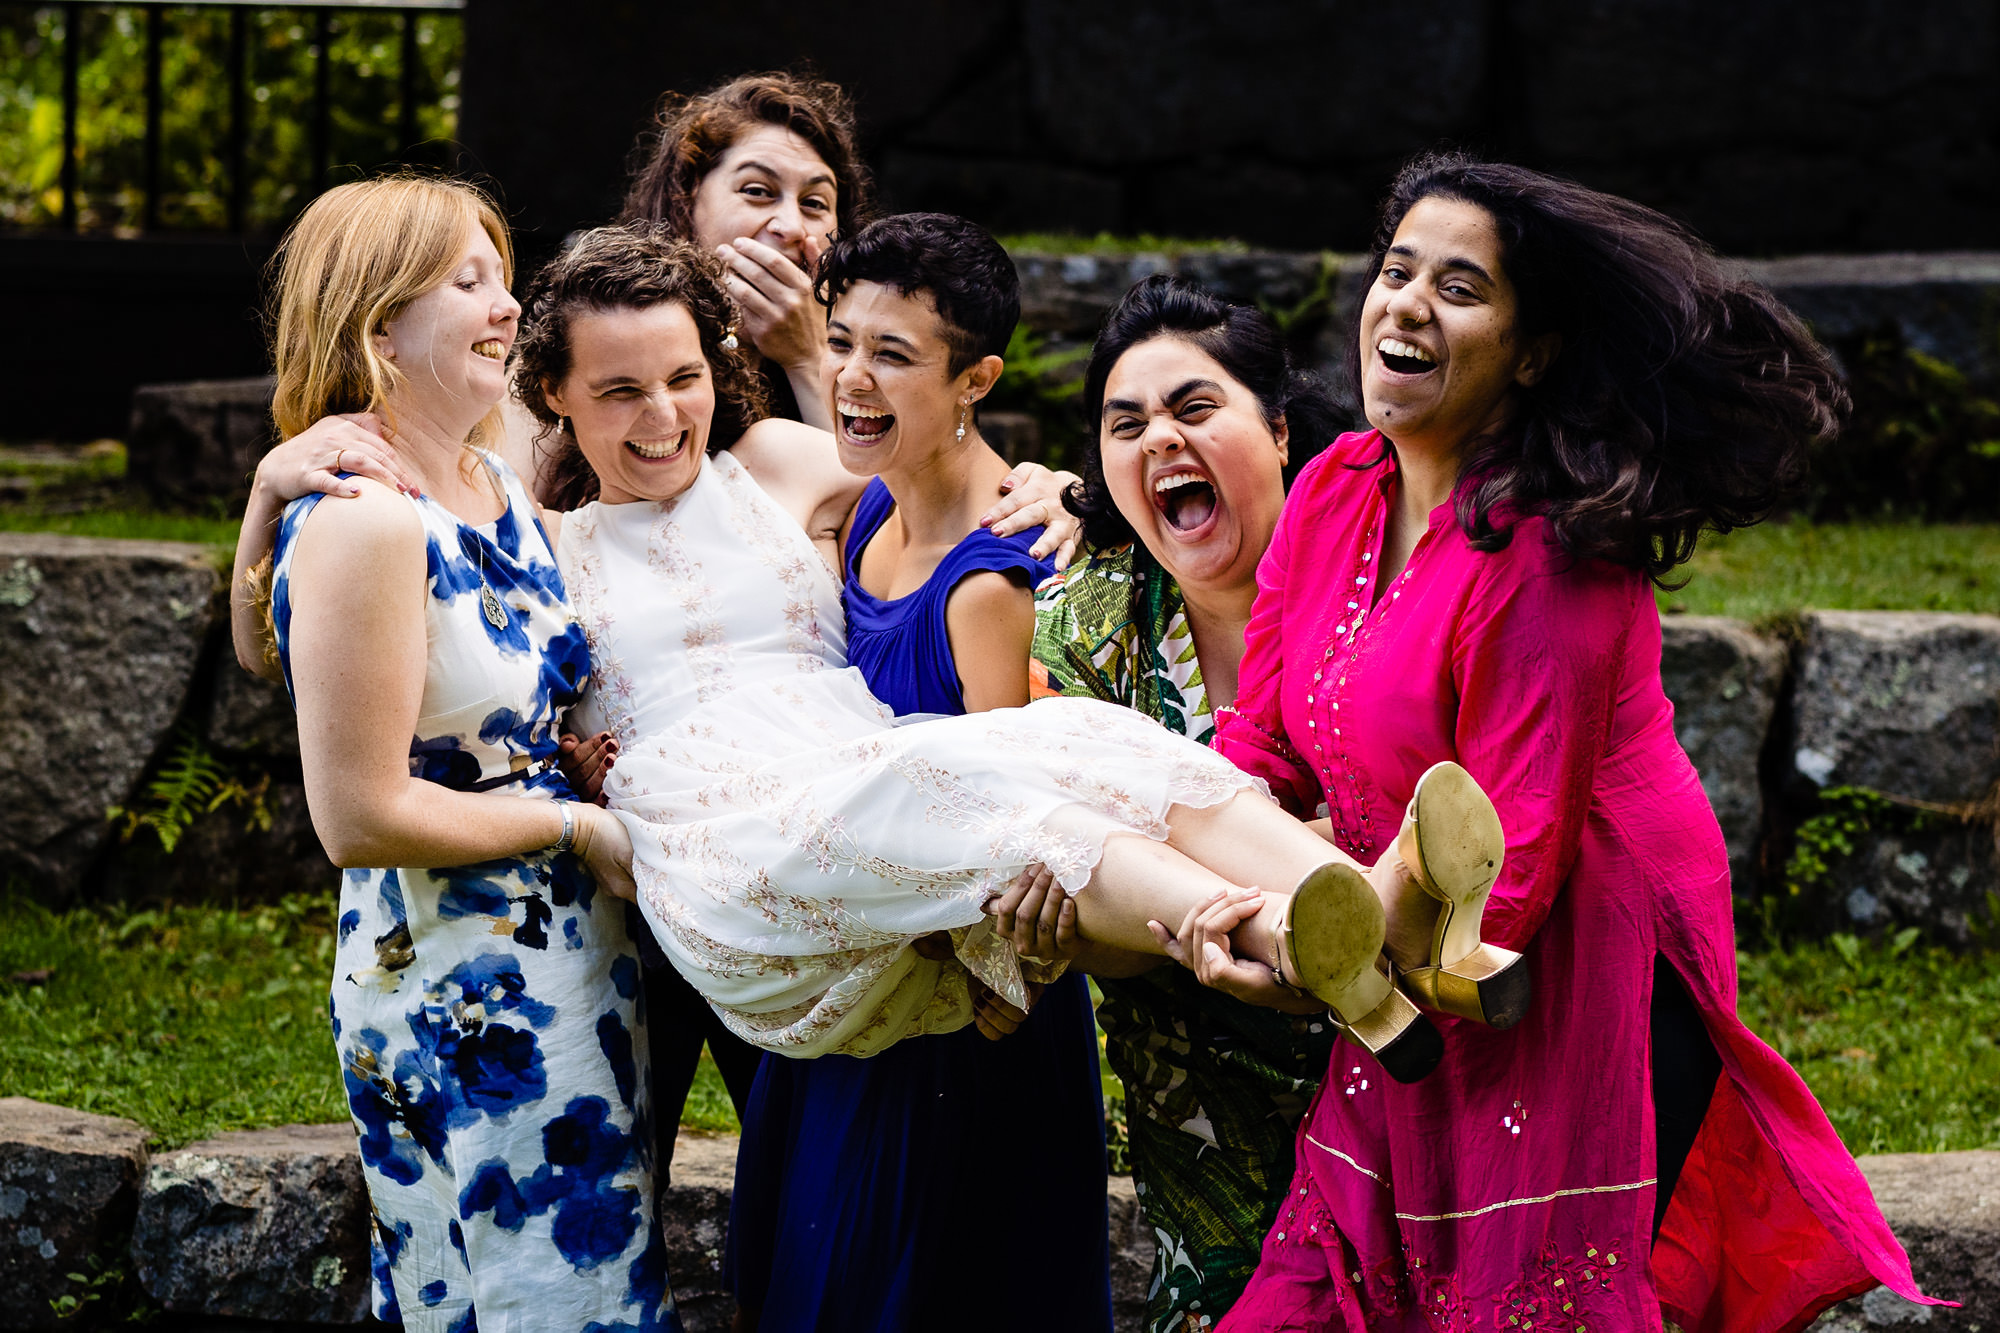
column 1776, row 569
column 1922, row 442
column 1845, row 815
column 1895, row 1040
column 193, row 1020
column 1300, row 320
column 189, row 783
column 1043, row 382
column 364, row 68
column 37, row 469
column 107, row 1293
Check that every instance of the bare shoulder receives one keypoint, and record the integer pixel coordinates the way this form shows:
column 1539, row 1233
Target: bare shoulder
column 988, row 594
column 377, row 525
column 774, row 449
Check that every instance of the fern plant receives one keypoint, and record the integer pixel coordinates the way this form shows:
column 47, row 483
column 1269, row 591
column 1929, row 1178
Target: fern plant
column 189, row 783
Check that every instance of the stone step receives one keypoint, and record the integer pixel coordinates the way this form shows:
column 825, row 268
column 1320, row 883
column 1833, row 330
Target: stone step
column 69, row 1182
column 268, row 1228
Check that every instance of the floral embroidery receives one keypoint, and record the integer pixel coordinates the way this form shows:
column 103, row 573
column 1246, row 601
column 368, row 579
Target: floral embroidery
column 1553, row 1294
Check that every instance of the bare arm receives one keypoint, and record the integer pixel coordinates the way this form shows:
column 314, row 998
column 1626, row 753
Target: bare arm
column 309, row 462
column 990, row 622
column 358, row 653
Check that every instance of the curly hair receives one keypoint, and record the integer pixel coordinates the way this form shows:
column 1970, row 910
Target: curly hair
column 691, row 133
column 630, row 267
column 1244, row 341
column 1682, row 400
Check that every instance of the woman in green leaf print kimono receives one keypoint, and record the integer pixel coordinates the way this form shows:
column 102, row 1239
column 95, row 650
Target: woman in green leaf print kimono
column 1197, row 413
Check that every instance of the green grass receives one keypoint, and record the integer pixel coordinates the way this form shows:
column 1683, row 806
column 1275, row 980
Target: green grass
column 1777, row 568
column 196, row 1020
column 190, row 1020
column 1899, row 1047
column 132, row 524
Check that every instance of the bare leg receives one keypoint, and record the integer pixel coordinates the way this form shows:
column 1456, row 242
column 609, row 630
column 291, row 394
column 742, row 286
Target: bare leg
column 1140, row 880
column 1250, row 841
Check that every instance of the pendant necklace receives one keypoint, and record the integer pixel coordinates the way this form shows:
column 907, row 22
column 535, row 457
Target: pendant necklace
column 490, row 604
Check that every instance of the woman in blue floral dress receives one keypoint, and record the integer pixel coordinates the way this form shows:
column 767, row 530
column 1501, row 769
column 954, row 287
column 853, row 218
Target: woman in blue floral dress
column 486, row 1015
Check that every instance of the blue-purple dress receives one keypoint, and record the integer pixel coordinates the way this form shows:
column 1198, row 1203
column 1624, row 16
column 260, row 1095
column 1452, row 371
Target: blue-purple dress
column 861, row 1203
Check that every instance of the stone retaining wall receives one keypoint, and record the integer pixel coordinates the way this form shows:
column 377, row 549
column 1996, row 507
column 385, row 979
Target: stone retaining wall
column 271, row 1225
column 132, row 638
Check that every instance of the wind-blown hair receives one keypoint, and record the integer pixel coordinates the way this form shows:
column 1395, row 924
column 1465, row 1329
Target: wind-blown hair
column 631, row 267
column 353, row 261
column 691, row 134
column 1682, row 398
column 1244, row 341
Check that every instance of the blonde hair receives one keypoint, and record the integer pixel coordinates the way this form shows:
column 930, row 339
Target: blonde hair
column 351, row 263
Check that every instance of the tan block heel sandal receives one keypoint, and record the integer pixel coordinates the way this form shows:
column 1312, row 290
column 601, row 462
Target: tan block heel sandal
column 1332, row 932
column 1453, row 843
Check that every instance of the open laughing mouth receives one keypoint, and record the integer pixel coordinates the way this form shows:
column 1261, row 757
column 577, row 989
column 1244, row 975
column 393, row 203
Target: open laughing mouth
column 492, row 349
column 654, row 451
column 1405, row 358
column 863, row 425
column 1185, row 499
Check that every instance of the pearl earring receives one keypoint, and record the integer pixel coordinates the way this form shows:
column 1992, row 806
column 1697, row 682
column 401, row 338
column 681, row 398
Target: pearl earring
column 964, row 411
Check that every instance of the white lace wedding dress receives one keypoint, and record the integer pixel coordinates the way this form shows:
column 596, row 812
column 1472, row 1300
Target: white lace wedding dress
column 793, row 836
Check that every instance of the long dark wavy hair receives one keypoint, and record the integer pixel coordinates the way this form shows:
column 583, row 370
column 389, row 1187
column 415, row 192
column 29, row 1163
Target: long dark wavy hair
column 1683, row 399
column 1244, row 341
column 630, row 267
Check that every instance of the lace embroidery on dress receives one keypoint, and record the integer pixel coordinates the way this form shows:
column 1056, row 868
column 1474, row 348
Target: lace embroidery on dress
column 767, row 531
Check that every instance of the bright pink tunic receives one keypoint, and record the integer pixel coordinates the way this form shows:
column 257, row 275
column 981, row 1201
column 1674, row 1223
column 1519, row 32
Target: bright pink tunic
column 1513, row 1188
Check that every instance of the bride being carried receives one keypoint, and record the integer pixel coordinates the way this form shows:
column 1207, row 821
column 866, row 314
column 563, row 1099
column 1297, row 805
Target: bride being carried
column 789, row 841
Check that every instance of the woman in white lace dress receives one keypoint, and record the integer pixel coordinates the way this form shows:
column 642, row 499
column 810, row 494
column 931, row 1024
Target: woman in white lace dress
column 791, row 841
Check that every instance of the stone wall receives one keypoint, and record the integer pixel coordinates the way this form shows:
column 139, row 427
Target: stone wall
column 114, row 659
column 272, row 1225
column 132, row 638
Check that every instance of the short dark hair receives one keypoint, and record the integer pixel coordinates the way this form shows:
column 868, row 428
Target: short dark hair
column 1683, row 399
column 631, row 267
column 690, row 134
column 968, row 276
column 1244, row 341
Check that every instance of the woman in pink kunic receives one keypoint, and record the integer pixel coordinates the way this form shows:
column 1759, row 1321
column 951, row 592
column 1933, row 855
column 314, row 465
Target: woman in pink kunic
column 1566, row 390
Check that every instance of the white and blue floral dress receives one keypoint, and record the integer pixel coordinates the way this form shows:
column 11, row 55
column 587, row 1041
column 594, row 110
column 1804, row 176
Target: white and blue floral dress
column 488, row 1016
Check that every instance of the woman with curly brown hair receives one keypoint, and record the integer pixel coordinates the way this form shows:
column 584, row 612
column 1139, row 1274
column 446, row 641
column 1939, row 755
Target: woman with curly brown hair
column 1566, row 389
column 764, row 171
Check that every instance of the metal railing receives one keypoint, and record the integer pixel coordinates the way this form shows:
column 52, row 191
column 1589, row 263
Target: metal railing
column 320, row 16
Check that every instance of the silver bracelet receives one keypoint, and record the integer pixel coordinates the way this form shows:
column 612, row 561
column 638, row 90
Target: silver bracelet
column 568, row 838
